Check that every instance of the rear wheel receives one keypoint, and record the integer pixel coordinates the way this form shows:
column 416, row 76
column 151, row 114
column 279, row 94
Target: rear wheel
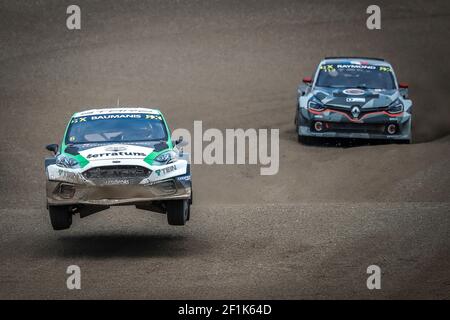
column 177, row 212
column 60, row 217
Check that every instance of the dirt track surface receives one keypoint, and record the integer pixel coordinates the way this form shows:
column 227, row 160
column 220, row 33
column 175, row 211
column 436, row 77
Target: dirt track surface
column 308, row 232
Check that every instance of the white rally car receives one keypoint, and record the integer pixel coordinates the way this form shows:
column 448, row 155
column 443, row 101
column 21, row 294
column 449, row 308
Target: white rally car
column 117, row 156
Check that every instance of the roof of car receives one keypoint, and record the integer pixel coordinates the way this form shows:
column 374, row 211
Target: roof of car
column 372, row 61
column 116, row 110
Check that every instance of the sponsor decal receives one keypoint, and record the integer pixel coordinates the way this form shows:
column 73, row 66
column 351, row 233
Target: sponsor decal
column 184, row 178
column 353, row 92
column 356, row 66
column 115, row 154
column 355, row 100
column 117, row 181
column 361, row 65
column 327, row 67
column 116, row 148
column 385, row 69
column 77, row 120
column 117, row 116
column 166, row 170
column 153, row 117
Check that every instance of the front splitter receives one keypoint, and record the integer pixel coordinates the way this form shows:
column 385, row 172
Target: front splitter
column 306, row 131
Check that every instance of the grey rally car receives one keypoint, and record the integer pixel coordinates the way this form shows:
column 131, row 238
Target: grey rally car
column 353, row 98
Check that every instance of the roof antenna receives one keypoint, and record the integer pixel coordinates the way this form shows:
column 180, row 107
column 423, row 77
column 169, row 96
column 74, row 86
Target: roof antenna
column 118, row 101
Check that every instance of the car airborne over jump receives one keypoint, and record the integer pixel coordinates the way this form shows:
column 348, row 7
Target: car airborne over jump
column 117, row 156
column 353, row 98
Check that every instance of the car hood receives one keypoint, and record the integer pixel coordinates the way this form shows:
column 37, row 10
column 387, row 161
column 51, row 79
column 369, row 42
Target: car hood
column 348, row 97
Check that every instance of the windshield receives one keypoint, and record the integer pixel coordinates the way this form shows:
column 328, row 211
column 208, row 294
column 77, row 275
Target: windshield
column 355, row 75
column 123, row 127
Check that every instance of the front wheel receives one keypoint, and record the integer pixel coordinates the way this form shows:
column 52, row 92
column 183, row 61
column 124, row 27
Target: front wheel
column 406, row 141
column 60, row 217
column 304, row 139
column 177, row 212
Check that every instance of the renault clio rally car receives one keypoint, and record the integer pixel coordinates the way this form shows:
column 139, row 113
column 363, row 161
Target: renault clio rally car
column 353, row 98
column 117, row 156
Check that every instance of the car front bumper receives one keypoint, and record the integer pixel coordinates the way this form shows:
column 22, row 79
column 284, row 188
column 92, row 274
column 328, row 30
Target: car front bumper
column 306, row 131
column 63, row 193
column 120, row 185
column 337, row 125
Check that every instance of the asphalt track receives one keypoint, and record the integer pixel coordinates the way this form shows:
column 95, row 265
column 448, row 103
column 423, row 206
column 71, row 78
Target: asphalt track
column 308, row 232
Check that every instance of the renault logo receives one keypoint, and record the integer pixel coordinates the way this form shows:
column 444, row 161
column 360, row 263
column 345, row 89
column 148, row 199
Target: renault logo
column 355, row 111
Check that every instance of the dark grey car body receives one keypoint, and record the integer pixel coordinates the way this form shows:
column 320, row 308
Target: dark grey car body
column 357, row 111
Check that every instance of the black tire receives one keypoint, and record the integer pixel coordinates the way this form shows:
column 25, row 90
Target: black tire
column 177, row 212
column 60, row 217
column 190, row 203
column 188, row 212
column 300, row 138
column 407, row 141
column 304, row 139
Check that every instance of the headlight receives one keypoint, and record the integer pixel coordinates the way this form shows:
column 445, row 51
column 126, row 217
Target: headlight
column 315, row 105
column 395, row 107
column 166, row 157
column 66, row 162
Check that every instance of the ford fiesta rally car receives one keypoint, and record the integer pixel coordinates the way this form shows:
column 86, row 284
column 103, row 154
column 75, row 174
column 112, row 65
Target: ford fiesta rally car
column 353, row 98
column 117, row 156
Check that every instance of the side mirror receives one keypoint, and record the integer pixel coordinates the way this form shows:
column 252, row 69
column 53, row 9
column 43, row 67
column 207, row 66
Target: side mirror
column 307, row 80
column 403, row 88
column 180, row 142
column 52, row 147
